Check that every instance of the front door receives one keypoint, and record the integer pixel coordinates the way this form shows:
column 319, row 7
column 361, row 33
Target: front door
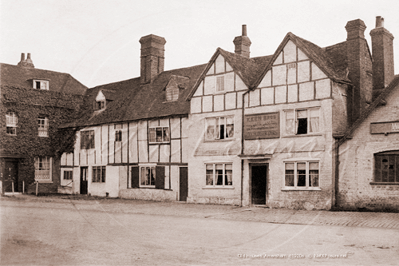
column 10, row 176
column 183, row 183
column 83, row 180
column 259, row 184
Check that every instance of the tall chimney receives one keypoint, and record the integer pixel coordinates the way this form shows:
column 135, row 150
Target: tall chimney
column 242, row 43
column 359, row 65
column 383, row 63
column 152, row 57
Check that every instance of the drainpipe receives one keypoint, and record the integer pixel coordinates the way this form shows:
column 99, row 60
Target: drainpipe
column 335, row 188
column 242, row 144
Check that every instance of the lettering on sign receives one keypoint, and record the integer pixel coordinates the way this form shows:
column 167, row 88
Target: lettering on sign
column 262, row 126
column 384, row 127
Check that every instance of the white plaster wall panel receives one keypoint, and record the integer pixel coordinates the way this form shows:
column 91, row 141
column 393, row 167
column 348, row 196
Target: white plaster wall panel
column 69, row 159
column 142, row 130
column 196, row 105
column 292, row 93
column 279, row 75
column 230, row 100
column 267, row 96
column 291, row 73
column 104, row 145
column 64, row 159
column 175, row 151
column 228, row 67
column 185, row 127
column 153, row 123
column 246, row 100
column 97, row 143
column 164, row 122
column 240, row 85
column 279, row 59
column 219, row 64
column 175, row 127
column 133, row 148
column 200, row 89
column 239, row 99
column 185, row 150
column 77, row 148
column 317, row 73
column 112, row 181
column 289, row 52
column 229, row 81
column 164, row 153
column 210, row 85
column 303, row 71
column 211, row 70
column 76, row 180
column 124, row 142
column 218, row 101
column 118, row 151
column 154, row 153
column 323, row 88
column 306, row 91
column 143, row 151
column 301, row 55
column 111, row 144
column 254, row 98
column 91, row 156
column 281, row 94
column 83, row 157
column 123, row 177
column 207, row 104
column 174, row 178
column 267, row 80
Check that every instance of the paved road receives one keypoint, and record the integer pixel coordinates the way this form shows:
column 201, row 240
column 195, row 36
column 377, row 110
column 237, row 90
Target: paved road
column 62, row 232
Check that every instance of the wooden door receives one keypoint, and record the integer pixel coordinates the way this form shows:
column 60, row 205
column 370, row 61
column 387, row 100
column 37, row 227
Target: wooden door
column 10, row 175
column 183, row 183
column 258, row 183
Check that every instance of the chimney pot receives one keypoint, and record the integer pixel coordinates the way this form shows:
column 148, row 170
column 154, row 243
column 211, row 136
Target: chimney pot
column 22, row 57
column 244, row 30
column 242, row 43
column 379, row 22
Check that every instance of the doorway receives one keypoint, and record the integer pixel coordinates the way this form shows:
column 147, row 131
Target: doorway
column 183, row 183
column 83, row 180
column 258, row 183
column 10, row 176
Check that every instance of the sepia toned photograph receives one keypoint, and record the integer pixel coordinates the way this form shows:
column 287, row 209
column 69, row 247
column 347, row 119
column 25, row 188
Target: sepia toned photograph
column 203, row 132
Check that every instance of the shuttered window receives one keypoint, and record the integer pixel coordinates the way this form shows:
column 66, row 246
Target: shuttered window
column 148, row 177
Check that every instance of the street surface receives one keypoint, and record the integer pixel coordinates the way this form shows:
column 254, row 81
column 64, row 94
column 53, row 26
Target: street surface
column 48, row 231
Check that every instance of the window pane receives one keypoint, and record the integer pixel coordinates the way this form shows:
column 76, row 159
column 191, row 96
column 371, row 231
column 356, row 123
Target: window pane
column 229, row 127
column 313, row 166
column 219, row 167
column 384, row 170
column 103, row 174
column 228, row 177
column 289, row 174
column 143, row 176
column 391, row 175
column 313, row 174
column 229, row 167
column 152, row 134
column 289, row 122
column 302, row 114
column 209, row 177
column 301, row 174
column 302, row 126
column 219, row 177
column 165, row 134
column 159, row 134
column 209, row 167
column 397, row 168
column 377, row 169
column 210, row 133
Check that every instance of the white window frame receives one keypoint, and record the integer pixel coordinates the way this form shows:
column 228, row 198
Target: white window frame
column 307, row 173
column 219, row 121
column 165, row 138
column 295, row 121
column 11, row 123
column 44, row 84
column 143, row 172
column 43, row 127
column 214, row 177
column 43, row 169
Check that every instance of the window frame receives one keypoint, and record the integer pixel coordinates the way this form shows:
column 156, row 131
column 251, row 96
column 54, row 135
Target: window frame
column 43, row 128
column 86, row 141
column 308, row 175
column 11, row 123
column 295, row 122
column 153, row 139
column 41, row 82
column 101, row 177
column 152, row 169
column 70, row 172
column 41, row 163
column 217, row 129
column 388, row 155
column 215, row 175
column 100, row 105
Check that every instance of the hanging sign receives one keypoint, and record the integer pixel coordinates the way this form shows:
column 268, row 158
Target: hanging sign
column 262, row 126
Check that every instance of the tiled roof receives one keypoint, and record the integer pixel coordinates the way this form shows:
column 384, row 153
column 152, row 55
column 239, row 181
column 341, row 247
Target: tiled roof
column 22, row 77
column 134, row 101
column 381, row 99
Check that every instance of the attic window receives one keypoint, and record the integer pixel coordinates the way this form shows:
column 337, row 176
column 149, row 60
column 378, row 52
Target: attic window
column 100, row 105
column 172, row 94
column 41, row 84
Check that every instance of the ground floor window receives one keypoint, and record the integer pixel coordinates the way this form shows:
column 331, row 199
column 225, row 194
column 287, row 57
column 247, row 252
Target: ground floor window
column 386, row 167
column 68, row 175
column 99, row 174
column 219, row 174
column 148, row 175
column 43, row 169
column 302, row 174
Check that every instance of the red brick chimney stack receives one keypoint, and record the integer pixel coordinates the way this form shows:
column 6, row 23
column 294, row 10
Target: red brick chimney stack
column 242, row 43
column 152, row 57
column 383, row 62
column 26, row 63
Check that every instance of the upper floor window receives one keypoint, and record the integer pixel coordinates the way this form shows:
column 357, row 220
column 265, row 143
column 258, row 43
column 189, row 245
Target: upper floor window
column 43, row 169
column 118, row 132
column 41, row 84
column 219, row 128
column 159, row 134
column 11, row 123
column 302, row 121
column 100, row 105
column 219, row 174
column 386, row 167
column 43, row 126
column 87, row 139
column 302, row 174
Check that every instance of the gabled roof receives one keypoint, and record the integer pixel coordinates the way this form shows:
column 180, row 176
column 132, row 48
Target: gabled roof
column 248, row 69
column 380, row 100
column 134, row 101
column 331, row 60
column 17, row 76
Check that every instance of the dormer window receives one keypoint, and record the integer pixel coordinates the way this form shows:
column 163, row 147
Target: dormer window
column 41, row 84
column 100, row 105
column 172, row 94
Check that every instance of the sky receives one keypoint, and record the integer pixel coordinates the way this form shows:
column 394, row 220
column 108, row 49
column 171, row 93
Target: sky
column 97, row 41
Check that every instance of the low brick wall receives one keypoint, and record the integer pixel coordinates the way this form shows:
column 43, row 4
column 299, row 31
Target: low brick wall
column 215, row 200
column 148, row 194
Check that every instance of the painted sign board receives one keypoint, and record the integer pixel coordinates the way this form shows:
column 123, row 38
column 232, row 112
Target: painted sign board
column 262, row 126
column 384, row 127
